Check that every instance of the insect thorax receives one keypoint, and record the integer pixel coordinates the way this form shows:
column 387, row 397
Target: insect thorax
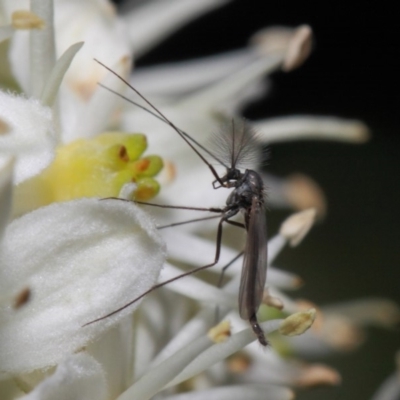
column 250, row 185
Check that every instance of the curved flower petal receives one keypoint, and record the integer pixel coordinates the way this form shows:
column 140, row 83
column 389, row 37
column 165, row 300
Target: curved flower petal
column 195, row 288
column 152, row 22
column 101, row 104
column 114, row 352
column 306, row 127
column 238, row 392
column 50, row 89
column 80, row 260
column 78, row 377
column 220, row 351
column 183, row 77
column 195, row 327
column 297, row 191
column 42, row 46
column 95, row 23
column 31, row 137
column 159, row 376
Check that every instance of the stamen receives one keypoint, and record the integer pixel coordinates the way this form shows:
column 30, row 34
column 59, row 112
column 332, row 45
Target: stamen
column 24, row 19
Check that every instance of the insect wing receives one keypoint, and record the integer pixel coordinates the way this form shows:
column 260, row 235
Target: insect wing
column 254, row 270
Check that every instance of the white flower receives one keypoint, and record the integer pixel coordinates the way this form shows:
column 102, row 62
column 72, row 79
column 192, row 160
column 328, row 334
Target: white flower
column 78, row 261
column 63, row 265
column 68, row 264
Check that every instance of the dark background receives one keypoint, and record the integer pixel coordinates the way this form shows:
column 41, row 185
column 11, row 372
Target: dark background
column 353, row 72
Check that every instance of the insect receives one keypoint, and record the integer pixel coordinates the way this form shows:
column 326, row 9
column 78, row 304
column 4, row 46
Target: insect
column 236, row 143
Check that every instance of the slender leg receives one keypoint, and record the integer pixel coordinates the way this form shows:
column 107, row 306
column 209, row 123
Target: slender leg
column 221, row 277
column 188, row 221
column 212, row 209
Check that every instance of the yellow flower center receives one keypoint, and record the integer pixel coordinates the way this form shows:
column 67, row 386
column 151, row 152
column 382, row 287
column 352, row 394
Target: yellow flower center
column 97, row 167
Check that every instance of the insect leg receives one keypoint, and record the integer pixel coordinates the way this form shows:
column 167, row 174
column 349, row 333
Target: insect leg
column 221, row 277
column 211, row 209
column 188, row 221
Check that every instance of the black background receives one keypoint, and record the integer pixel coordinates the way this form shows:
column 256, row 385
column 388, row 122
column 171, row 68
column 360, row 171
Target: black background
column 353, row 72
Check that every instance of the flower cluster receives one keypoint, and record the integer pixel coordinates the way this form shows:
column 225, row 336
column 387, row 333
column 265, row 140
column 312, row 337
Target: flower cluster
column 68, row 258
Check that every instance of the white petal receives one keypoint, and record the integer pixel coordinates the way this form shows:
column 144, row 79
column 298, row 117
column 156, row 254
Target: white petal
column 182, row 77
column 282, row 279
column 81, row 260
column 97, row 24
column 296, row 227
column 232, row 86
column 152, row 382
column 196, row 251
column 78, row 377
column 19, row 59
column 50, row 90
column 153, row 21
column 94, row 116
column 309, row 127
column 114, row 352
column 42, row 46
column 371, row 311
column 220, row 351
column 296, row 191
column 31, row 137
column 195, row 327
column 195, row 288
column 237, row 392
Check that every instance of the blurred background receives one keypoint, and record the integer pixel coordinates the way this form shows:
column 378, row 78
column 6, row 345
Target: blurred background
column 353, row 73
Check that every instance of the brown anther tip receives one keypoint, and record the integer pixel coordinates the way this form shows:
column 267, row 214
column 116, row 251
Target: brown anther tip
column 318, row 375
column 296, row 227
column 142, row 165
column 168, row 173
column 83, row 88
column 25, row 20
column 4, row 127
column 123, row 153
column 221, row 332
column 298, row 282
column 271, row 40
column 299, row 48
column 22, row 298
column 304, row 305
column 303, row 192
column 341, row 333
column 239, row 363
column 272, row 301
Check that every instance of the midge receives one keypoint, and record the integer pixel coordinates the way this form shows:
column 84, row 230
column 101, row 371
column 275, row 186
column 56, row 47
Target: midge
column 236, row 144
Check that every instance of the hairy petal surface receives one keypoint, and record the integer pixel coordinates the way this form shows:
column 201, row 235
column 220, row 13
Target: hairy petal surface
column 80, row 260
